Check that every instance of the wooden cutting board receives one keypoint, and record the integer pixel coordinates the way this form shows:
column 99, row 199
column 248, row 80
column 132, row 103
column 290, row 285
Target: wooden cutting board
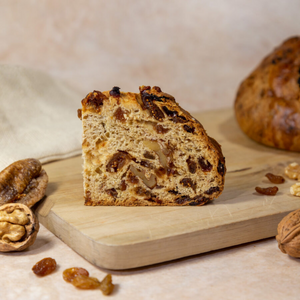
column 129, row 237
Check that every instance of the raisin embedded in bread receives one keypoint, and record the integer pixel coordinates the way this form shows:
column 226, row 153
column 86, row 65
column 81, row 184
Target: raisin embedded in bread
column 267, row 105
column 144, row 149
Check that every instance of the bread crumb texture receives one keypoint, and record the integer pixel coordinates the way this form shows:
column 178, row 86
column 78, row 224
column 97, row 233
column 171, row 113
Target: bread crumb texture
column 143, row 149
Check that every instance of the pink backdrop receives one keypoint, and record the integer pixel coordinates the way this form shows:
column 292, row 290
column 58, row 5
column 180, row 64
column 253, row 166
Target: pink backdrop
column 198, row 51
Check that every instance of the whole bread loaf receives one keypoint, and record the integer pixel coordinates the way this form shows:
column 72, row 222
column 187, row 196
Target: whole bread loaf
column 144, row 149
column 267, row 105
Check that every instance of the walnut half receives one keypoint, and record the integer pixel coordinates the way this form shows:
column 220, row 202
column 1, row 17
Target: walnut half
column 18, row 227
column 24, row 182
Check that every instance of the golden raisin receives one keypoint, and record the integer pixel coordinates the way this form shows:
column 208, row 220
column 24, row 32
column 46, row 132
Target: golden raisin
column 270, row 191
column 71, row 273
column 85, row 282
column 79, row 277
column 275, row 178
column 44, row 267
column 106, row 285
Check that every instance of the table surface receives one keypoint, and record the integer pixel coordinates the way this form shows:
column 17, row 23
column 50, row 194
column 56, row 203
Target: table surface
column 255, row 270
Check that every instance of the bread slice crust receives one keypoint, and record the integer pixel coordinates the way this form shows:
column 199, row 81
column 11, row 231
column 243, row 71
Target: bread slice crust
column 143, row 149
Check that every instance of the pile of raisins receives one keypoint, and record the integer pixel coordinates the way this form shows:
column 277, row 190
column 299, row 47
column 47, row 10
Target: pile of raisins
column 79, row 277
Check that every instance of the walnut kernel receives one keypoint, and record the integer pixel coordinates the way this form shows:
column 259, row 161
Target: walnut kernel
column 295, row 189
column 150, row 183
column 288, row 236
column 18, row 227
column 154, row 146
column 292, row 171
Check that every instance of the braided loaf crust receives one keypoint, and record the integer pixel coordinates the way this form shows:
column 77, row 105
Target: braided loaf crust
column 267, row 105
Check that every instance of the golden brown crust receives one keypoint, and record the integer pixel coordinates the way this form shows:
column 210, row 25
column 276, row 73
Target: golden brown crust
column 267, row 105
column 158, row 112
column 93, row 101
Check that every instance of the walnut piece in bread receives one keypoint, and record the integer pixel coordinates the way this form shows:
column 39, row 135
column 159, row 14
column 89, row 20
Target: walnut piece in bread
column 144, row 149
column 267, row 105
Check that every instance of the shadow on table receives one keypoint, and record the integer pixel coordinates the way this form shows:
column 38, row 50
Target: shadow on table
column 38, row 247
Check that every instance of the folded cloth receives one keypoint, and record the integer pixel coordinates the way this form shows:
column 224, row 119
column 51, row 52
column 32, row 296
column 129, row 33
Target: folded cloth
column 38, row 117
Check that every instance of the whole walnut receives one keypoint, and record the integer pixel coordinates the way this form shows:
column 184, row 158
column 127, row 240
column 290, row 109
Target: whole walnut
column 18, row 227
column 288, row 237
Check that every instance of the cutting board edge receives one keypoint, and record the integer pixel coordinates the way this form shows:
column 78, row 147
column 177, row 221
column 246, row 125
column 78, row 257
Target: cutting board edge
column 122, row 257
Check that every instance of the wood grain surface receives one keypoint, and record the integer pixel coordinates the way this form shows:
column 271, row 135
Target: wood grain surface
column 130, row 237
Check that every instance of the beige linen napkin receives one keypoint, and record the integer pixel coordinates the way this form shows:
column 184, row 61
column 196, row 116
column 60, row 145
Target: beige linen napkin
column 38, row 117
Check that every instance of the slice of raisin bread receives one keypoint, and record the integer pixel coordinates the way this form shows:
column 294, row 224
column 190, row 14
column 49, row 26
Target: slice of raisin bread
column 144, row 149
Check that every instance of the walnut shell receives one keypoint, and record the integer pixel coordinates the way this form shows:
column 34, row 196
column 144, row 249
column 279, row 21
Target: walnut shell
column 288, row 237
column 18, row 227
